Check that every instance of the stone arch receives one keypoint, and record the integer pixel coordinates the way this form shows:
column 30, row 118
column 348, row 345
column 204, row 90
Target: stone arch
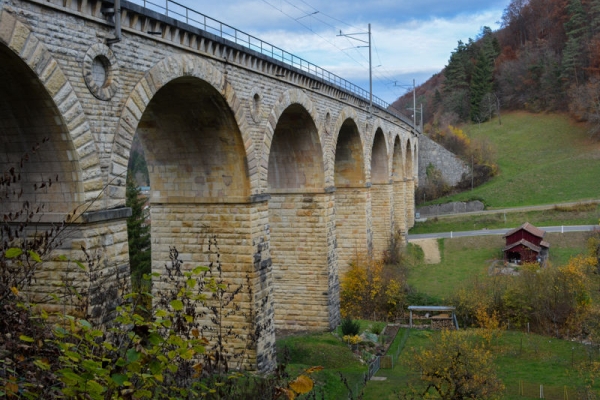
column 349, row 168
column 397, row 158
column 180, row 69
column 379, row 159
column 71, row 154
column 297, row 101
column 194, row 132
column 295, row 160
column 352, row 199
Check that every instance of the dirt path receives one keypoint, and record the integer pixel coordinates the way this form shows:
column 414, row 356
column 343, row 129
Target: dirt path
column 430, row 248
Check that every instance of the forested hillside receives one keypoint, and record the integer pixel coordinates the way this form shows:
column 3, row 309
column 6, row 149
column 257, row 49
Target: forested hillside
column 545, row 57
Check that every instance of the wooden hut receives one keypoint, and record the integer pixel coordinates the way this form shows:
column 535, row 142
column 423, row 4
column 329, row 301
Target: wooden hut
column 526, row 244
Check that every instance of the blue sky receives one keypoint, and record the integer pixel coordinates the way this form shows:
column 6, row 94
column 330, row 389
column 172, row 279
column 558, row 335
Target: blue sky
column 410, row 39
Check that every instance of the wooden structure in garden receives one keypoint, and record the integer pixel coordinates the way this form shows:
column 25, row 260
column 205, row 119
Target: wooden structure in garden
column 441, row 317
column 526, row 244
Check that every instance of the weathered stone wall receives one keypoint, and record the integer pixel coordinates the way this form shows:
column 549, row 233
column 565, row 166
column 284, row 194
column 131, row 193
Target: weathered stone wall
column 409, row 193
column 381, row 199
column 451, row 167
column 105, row 241
column 451, row 208
column 242, row 235
column 400, row 209
column 352, row 225
column 304, row 261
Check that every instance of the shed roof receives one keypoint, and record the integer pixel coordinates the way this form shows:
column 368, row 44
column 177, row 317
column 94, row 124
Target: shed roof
column 529, row 228
column 524, row 243
column 432, row 308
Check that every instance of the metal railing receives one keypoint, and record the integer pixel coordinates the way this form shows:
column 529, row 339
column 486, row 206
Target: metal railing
column 198, row 20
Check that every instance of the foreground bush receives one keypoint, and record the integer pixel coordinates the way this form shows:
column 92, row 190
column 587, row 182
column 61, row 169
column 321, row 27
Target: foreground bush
column 176, row 353
column 373, row 290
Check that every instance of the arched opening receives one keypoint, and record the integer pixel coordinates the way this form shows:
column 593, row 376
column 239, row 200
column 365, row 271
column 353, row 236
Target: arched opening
column 302, row 226
column 197, row 169
column 199, row 192
column 398, row 188
column 349, row 160
column 193, row 146
column 35, row 143
column 41, row 176
column 295, row 157
column 381, row 195
column 379, row 160
column 351, row 197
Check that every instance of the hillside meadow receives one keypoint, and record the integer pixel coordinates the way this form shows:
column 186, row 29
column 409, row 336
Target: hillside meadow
column 543, row 159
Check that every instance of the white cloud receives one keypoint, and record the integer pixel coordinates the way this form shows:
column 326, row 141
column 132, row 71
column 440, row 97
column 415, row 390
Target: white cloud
column 408, row 38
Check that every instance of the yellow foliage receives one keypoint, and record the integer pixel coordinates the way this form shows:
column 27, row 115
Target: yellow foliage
column 302, row 384
column 457, row 364
column 371, row 289
column 352, row 339
column 489, row 324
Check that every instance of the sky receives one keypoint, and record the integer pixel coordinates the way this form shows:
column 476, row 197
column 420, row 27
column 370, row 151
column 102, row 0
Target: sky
column 409, row 39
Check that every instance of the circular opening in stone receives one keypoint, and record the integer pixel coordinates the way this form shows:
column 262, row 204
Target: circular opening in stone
column 100, row 67
column 256, row 100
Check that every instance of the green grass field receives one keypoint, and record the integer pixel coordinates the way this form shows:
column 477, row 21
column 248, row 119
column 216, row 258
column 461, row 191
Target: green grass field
column 543, row 159
column 522, row 360
column 466, row 258
column 507, row 220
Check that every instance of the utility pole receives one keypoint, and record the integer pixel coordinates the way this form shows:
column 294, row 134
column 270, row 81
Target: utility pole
column 414, row 104
column 368, row 44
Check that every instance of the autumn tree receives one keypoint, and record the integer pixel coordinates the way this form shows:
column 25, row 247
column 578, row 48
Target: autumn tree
column 456, row 365
column 372, row 290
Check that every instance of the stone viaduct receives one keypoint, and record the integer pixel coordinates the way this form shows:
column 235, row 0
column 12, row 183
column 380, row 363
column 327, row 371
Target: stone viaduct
column 294, row 175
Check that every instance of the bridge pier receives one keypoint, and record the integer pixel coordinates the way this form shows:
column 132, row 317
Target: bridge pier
column 382, row 209
column 410, row 202
column 400, row 209
column 241, row 233
column 305, row 268
column 353, row 225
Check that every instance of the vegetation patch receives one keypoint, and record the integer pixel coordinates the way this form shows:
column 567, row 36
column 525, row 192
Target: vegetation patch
column 543, row 159
column 507, row 220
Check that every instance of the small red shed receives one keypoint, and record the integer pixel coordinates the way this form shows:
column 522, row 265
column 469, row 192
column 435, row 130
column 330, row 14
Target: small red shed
column 526, row 244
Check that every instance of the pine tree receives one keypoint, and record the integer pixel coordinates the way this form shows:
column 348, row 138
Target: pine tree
column 574, row 54
column 483, row 74
column 138, row 232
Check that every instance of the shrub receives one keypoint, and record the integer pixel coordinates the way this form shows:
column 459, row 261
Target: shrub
column 377, row 328
column 350, row 327
column 372, row 290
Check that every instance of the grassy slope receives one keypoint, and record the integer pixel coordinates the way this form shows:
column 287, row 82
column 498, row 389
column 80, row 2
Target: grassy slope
column 543, row 158
column 465, row 258
column 507, row 220
column 328, row 351
column 531, row 359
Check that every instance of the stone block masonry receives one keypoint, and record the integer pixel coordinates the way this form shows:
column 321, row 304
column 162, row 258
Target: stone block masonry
column 451, row 167
column 382, row 202
column 353, row 225
column 218, row 122
column 242, row 234
column 304, row 261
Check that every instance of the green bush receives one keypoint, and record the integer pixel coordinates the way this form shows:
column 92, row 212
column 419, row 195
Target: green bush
column 377, row 328
column 350, row 327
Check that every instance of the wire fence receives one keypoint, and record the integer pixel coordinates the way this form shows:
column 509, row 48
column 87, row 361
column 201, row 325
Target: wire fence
column 531, row 390
column 198, row 20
